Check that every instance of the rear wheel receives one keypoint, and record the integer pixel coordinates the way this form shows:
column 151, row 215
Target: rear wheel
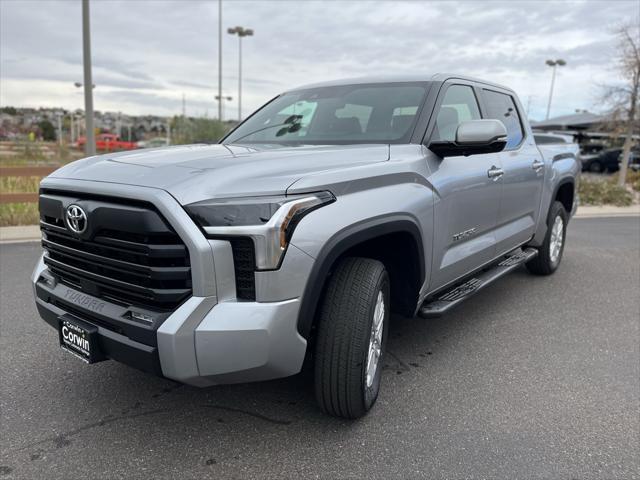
column 595, row 167
column 550, row 252
column 352, row 333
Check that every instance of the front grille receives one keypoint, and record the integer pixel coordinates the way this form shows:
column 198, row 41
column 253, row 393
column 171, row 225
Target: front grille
column 129, row 255
column 244, row 263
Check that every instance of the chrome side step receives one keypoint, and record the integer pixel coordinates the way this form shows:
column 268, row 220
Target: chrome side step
column 448, row 299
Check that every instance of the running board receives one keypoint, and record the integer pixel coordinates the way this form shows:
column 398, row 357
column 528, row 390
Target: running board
column 450, row 298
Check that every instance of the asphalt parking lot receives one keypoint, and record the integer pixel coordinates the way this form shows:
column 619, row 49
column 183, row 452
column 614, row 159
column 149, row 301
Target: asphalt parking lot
column 532, row 378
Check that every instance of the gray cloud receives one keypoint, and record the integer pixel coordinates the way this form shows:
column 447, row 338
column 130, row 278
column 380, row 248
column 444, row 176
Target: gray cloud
column 146, row 53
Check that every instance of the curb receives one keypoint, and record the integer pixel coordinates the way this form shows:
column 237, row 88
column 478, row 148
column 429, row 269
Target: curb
column 604, row 211
column 607, row 215
column 20, row 234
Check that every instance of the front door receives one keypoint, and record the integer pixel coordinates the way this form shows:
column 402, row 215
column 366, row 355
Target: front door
column 467, row 191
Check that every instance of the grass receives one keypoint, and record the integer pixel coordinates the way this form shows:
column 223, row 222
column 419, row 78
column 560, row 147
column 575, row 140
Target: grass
column 24, row 153
column 19, row 184
column 27, row 153
column 18, row 213
column 633, row 179
column 604, row 192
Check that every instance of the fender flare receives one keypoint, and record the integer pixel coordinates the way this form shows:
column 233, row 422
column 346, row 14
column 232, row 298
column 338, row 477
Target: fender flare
column 338, row 244
column 561, row 182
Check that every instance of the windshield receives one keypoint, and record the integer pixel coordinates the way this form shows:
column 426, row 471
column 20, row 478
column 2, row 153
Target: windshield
column 346, row 114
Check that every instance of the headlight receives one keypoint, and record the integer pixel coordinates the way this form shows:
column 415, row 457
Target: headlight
column 268, row 221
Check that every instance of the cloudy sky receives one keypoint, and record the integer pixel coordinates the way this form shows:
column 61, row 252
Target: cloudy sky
column 147, row 54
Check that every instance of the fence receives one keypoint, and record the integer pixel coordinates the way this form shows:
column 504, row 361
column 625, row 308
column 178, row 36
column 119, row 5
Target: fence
column 22, row 197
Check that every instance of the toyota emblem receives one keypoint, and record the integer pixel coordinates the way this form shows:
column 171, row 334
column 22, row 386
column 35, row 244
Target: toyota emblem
column 76, row 219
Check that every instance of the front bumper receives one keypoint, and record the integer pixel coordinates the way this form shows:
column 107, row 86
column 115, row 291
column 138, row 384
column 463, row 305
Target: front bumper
column 202, row 343
column 112, row 345
column 212, row 337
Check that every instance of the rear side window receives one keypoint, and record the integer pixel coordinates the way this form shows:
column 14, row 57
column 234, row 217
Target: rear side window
column 458, row 105
column 502, row 107
column 548, row 139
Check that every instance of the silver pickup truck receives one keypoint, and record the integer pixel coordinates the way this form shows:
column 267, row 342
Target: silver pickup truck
column 294, row 239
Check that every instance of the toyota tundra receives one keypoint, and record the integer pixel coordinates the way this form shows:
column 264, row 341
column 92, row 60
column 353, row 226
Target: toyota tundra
column 296, row 237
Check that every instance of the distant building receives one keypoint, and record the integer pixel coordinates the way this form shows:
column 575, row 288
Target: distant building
column 579, row 121
column 590, row 130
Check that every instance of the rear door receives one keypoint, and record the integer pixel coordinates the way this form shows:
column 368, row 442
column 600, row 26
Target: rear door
column 523, row 167
column 468, row 197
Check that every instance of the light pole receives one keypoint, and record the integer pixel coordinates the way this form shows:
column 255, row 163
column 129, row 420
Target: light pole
column 79, row 118
column 220, row 58
column 241, row 32
column 553, row 64
column 221, row 100
column 90, row 144
column 59, row 118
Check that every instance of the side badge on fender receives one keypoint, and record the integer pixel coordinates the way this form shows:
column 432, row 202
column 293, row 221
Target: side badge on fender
column 465, row 234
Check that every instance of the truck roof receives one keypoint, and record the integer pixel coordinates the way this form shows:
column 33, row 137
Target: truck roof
column 432, row 77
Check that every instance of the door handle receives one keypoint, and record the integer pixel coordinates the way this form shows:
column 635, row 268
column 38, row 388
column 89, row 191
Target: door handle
column 537, row 165
column 495, row 172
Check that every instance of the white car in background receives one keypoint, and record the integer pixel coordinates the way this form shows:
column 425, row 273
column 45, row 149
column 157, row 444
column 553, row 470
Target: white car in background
column 153, row 143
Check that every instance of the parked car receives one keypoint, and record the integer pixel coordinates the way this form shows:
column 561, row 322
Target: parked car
column 591, row 148
column 634, row 160
column 153, row 143
column 296, row 237
column 551, row 138
column 605, row 161
column 108, row 142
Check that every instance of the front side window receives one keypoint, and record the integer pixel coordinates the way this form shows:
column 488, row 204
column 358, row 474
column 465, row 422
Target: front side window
column 458, row 105
column 378, row 113
column 502, row 107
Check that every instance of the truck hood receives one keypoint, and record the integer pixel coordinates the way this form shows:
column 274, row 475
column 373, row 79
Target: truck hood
column 192, row 173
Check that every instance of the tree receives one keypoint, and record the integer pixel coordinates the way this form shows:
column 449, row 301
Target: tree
column 47, row 130
column 624, row 98
column 9, row 110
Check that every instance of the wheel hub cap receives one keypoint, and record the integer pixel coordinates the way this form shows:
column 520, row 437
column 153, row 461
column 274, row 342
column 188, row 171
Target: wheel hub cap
column 375, row 340
column 557, row 236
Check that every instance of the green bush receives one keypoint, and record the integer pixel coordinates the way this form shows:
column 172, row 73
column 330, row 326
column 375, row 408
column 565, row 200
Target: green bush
column 196, row 130
column 603, row 192
column 47, row 130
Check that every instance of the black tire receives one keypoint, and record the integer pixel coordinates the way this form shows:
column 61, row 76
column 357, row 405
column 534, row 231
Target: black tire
column 543, row 264
column 342, row 343
column 595, row 167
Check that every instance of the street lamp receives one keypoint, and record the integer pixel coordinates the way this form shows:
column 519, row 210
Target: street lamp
column 59, row 116
column 221, row 101
column 241, row 32
column 90, row 145
column 76, row 135
column 553, row 64
column 220, row 58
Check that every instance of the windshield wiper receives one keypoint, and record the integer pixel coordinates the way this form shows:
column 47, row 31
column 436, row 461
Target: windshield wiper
column 292, row 124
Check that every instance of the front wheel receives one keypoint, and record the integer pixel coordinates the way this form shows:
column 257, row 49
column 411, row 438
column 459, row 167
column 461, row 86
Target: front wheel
column 550, row 252
column 352, row 333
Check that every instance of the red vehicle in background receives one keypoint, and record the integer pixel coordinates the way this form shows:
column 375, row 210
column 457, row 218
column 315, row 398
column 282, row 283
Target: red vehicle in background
column 108, row 142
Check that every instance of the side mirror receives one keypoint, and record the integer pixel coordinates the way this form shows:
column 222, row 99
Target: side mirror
column 472, row 138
